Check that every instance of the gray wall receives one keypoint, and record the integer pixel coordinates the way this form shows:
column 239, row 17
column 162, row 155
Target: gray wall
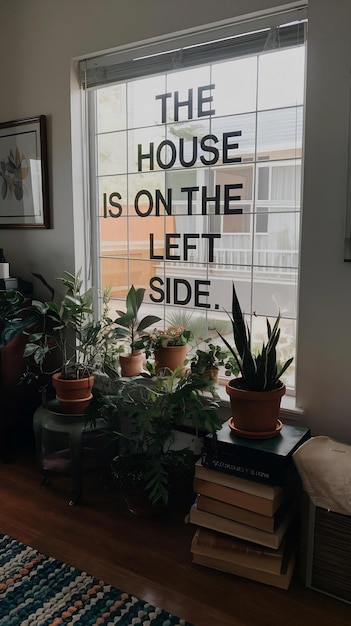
column 39, row 39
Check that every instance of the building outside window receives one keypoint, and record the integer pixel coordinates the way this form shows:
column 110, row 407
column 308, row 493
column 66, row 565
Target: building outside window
column 196, row 176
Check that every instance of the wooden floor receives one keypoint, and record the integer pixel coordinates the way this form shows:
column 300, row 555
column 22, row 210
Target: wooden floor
column 149, row 558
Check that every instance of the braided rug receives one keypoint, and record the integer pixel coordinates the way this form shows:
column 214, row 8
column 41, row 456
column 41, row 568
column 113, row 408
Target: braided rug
column 36, row 590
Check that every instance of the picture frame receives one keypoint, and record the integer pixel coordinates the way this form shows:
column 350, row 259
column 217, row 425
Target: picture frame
column 24, row 189
column 347, row 239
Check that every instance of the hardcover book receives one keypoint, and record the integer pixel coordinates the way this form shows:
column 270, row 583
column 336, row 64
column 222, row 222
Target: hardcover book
column 210, row 543
column 236, row 482
column 281, row 580
column 241, row 499
column 222, row 509
column 236, row 465
column 242, row 531
column 262, row 460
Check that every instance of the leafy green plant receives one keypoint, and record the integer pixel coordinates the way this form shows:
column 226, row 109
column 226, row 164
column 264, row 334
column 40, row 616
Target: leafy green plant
column 213, row 356
column 128, row 326
column 259, row 370
column 172, row 336
column 68, row 328
column 132, row 472
column 154, row 411
column 15, row 315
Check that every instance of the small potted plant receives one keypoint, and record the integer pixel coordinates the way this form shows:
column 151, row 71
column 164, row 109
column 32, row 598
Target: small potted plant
column 256, row 394
column 66, row 329
column 145, row 417
column 207, row 361
column 169, row 347
column 128, row 328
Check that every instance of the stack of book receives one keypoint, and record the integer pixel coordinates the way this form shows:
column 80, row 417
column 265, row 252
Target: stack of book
column 248, row 495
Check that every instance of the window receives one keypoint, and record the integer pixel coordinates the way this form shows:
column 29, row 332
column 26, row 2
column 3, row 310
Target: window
column 197, row 154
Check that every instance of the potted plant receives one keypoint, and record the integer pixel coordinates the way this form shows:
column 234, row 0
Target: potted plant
column 256, row 394
column 145, row 417
column 207, row 361
column 13, row 305
column 169, row 347
column 68, row 330
column 129, row 328
column 15, row 317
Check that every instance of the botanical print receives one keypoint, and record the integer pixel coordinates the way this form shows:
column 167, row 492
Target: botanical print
column 13, row 171
column 18, row 179
column 23, row 174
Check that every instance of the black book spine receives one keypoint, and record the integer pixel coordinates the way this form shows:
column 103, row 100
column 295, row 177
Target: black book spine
column 257, row 471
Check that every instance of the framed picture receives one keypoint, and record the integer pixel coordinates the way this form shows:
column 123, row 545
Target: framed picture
column 24, row 196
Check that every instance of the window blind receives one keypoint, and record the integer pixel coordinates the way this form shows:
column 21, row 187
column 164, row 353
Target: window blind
column 250, row 36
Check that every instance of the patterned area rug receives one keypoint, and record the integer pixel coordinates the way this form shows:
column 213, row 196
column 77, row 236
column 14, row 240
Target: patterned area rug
column 36, row 590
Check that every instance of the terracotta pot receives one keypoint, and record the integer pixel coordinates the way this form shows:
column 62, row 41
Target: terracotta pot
column 212, row 374
column 170, row 357
column 131, row 364
column 73, row 395
column 74, row 407
column 254, row 411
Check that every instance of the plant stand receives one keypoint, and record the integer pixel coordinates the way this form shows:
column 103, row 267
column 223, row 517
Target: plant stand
column 64, row 444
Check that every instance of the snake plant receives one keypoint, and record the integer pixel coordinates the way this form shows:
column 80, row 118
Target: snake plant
column 259, row 370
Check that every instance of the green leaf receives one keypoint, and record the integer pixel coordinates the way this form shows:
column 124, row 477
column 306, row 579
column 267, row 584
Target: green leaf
column 139, row 297
column 133, row 302
column 18, row 189
column 231, row 349
column 4, row 189
column 284, row 368
column 241, row 337
column 248, row 367
column 30, row 349
column 147, row 321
